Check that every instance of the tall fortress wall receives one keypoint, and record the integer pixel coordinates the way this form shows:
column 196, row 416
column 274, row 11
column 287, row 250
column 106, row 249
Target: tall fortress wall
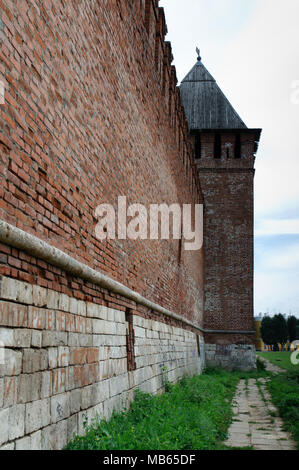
column 92, row 111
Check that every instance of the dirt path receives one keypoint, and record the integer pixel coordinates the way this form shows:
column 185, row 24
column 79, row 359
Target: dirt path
column 256, row 423
column 271, row 367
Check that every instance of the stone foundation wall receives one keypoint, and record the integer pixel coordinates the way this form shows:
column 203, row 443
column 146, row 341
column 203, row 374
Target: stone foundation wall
column 64, row 360
column 231, row 356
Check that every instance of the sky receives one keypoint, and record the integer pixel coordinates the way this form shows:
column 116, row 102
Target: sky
column 251, row 47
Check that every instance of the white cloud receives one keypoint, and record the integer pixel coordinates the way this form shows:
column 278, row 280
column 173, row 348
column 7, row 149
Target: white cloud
column 267, row 227
column 286, row 260
column 274, row 293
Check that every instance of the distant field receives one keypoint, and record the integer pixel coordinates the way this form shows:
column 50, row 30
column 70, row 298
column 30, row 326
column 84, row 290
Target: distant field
column 280, row 359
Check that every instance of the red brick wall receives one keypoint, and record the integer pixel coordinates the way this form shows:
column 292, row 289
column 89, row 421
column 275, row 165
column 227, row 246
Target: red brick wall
column 227, row 186
column 92, row 112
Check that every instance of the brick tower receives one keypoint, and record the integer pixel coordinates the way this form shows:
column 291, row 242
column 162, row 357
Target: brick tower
column 224, row 150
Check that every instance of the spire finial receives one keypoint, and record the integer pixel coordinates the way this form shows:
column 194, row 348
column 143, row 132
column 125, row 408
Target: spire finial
column 198, row 54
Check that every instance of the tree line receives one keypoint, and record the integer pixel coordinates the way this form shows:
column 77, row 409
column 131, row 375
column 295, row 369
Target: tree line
column 277, row 330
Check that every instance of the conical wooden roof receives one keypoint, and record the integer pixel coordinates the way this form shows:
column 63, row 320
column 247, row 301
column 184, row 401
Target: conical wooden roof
column 206, row 107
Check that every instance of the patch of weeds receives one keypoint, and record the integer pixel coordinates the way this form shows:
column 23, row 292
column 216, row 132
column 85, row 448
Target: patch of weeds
column 193, row 414
column 238, row 448
column 166, row 382
column 260, row 388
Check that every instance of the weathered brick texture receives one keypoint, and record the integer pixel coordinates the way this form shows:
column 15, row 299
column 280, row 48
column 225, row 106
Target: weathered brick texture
column 227, row 185
column 92, row 112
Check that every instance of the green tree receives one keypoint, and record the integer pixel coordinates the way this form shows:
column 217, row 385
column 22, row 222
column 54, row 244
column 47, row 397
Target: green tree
column 280, row 330
column 292, row 324
column 267, row 331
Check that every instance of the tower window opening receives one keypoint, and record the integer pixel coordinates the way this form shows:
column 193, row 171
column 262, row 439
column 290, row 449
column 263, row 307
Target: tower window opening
column 197, row 147
column 217, row 146
column 238, row 146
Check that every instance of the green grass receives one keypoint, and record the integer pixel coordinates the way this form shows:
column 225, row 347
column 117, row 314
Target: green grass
column 284, row 389
column 280, row 359
column 194, row 414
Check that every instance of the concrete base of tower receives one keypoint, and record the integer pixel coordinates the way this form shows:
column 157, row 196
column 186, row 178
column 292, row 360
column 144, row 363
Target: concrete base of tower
column 231, row 356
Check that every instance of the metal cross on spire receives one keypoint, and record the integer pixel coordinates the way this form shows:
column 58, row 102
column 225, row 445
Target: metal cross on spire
column 198, row 54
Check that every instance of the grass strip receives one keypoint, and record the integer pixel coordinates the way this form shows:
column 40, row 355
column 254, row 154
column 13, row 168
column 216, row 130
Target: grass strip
column 194, row 414
column 280, row 359
column 284, row 390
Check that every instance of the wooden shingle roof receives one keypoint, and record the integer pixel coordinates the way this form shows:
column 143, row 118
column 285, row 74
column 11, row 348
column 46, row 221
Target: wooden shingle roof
column 206, row 107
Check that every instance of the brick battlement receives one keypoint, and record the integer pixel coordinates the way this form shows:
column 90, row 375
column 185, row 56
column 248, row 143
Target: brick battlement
column 166, row 80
